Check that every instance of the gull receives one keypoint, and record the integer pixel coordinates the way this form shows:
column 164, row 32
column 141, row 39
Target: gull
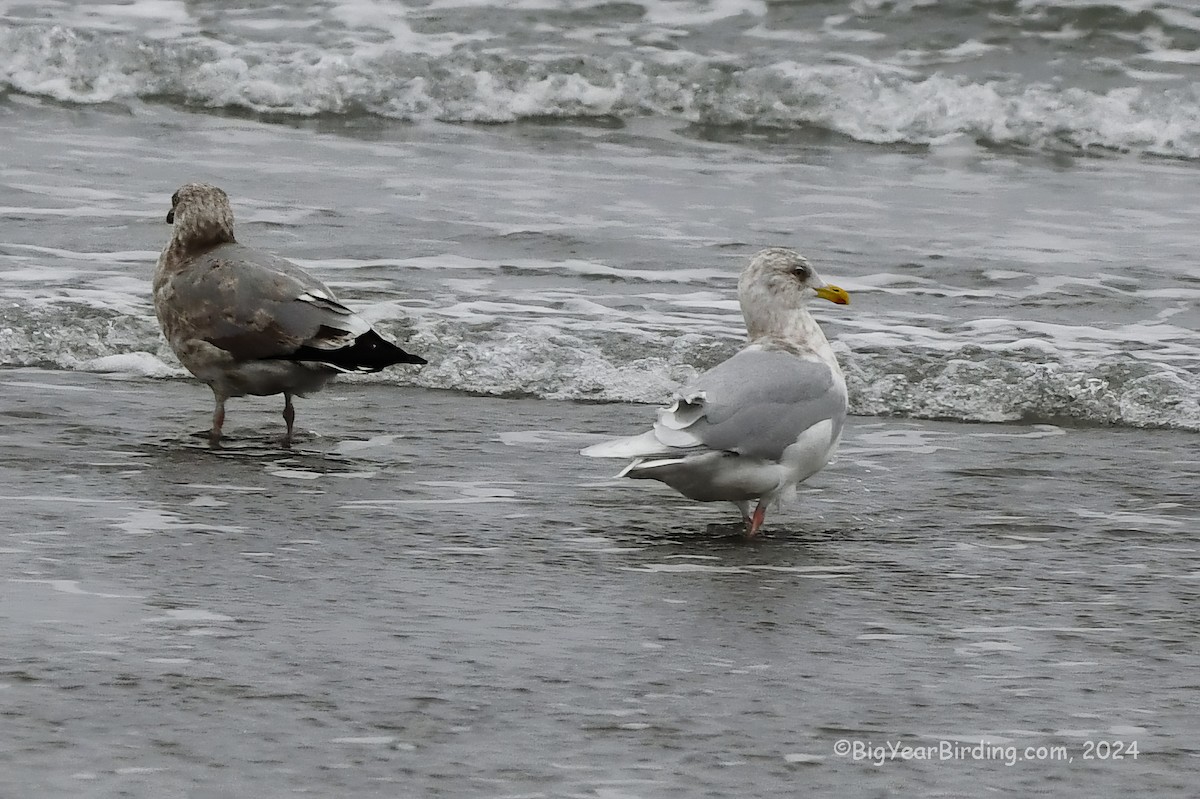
column 766, row 419
column 248, row 322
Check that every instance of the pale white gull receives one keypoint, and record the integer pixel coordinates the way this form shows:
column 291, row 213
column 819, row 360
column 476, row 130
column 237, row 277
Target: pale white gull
column 248, row 322
column 759, row 423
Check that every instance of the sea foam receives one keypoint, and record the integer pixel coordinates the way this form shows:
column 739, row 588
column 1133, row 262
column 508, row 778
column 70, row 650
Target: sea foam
column 870, row 101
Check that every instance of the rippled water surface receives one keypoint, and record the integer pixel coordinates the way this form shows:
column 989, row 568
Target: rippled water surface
column 583, row 262
column 434, row 596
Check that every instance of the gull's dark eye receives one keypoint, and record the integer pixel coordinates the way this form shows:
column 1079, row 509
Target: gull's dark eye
column 802, row 272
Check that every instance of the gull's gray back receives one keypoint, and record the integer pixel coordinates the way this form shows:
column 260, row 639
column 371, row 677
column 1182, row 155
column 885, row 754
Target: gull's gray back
column 759, row 401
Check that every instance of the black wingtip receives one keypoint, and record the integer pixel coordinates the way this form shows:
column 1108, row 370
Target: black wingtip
column 171, row 217
column 370, row 352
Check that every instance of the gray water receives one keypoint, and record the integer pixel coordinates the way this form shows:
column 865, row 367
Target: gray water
column 433, row 595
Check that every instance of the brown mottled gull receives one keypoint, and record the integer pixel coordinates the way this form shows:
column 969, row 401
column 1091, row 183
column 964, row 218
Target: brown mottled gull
column 248, row 322
column 759, row 423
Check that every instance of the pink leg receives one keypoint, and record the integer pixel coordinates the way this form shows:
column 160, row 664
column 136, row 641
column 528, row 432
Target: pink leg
column 214, row 435
column 756, row 520
column 289, row 416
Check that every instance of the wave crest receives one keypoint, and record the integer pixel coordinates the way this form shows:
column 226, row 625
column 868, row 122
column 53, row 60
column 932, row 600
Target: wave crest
column 969, row 384
column 862, row 101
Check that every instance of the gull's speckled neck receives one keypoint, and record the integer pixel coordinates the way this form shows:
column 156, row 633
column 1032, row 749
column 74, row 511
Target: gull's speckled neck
column 202, row 217
column 774, row 291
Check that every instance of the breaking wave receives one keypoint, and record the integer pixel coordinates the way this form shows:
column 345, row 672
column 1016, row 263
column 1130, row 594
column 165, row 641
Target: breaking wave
column 971, row 383
column 866, row 101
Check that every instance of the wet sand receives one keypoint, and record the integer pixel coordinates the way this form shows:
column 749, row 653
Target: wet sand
column 434, row 595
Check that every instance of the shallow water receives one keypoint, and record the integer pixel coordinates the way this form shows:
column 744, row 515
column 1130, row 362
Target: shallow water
column 433, row 595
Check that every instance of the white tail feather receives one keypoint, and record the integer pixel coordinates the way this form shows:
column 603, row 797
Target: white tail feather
column 631, row 447
column 642, row 465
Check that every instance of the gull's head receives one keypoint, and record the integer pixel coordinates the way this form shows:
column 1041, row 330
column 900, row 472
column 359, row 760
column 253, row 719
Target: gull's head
column 778, row 275
column 201, row 214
